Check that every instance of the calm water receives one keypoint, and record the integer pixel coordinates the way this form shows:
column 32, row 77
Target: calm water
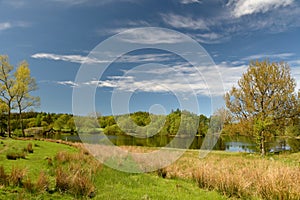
column 225, row 143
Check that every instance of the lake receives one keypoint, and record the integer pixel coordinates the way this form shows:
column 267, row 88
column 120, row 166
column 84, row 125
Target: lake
column 224, row 143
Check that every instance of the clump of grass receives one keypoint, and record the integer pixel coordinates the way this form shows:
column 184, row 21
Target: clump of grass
column 42, row 183
column 28, row 185
column 3, row 177
column 29, row 148
column 62, row 180
column 49, row 160
column 16, row 176
column 12, row 155
column 75, row 180
column 162, row 172
column 81, row 183
column 72, row 177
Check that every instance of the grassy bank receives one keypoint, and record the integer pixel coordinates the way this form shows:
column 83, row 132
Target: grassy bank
column 58, row 171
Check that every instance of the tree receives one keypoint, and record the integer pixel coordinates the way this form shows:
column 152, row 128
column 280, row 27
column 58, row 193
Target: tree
column 266, row 97
column 3, row 110
column 7, row 90
column 15, row 88
column 24, row 84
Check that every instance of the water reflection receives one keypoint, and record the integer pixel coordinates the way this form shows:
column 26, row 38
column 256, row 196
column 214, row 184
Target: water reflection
column 224, row 143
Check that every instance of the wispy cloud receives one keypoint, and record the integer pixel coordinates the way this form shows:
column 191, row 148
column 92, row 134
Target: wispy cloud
column 68, row 83
column 88, row 2
column 248, row 7
column 183, row 79
column 9, row 25
column 280, row 56
column 14, row 3
column 209, row 38
column 260, row 15
column 137, row 58
column 5, row 26
column 67, row 58
column 190, row 1
column 151, row 36
column 179, row 21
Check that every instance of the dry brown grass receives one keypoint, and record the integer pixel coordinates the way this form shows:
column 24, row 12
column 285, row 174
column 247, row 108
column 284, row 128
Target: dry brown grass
column 42, row 183
column 240, row 176
column 74, row 173
column 3, row 176
column 16, row 176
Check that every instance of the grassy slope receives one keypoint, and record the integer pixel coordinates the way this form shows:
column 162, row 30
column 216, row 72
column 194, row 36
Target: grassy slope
column 110, row 184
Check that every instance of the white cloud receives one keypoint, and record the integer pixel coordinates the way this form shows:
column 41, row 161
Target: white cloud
column 281, row 56
column 67, row 58
column 183, row 79
column 154, row 36
column 68, row 83
column 142, row 58
column 248, row 7
column 190, row 1
column 88, row 2
column 202, row 80
column 9, row 25
column 179, row 21
column 14, row 3
column 5, row 26
column 209, row 38
column 145, row 58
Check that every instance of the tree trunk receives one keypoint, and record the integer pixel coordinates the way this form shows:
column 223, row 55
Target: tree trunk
column 8, row 123
column 262, row 144
column 21, row 122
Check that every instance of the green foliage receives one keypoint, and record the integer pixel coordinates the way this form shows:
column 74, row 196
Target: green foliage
column 265, row 97
column 15, row 91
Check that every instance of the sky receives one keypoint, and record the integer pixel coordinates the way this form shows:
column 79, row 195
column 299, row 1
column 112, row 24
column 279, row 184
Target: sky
column 145, row 64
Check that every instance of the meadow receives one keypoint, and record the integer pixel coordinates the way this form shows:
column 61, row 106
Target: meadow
column 51, row 169
column 62, row 170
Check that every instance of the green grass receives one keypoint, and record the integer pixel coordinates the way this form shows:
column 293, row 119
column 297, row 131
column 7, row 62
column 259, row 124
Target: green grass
column 109, row 183
column 118, row 185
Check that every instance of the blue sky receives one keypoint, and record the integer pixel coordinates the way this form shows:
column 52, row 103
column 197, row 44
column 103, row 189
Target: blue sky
column 57, row 36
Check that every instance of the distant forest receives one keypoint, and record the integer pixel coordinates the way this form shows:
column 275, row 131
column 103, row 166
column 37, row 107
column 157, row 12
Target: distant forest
column 51, row 123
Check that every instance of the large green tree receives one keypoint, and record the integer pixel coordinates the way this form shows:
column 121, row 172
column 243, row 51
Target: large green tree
column 24, row 85
column 15, row 88
column 266, row 97
column 7, row 90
